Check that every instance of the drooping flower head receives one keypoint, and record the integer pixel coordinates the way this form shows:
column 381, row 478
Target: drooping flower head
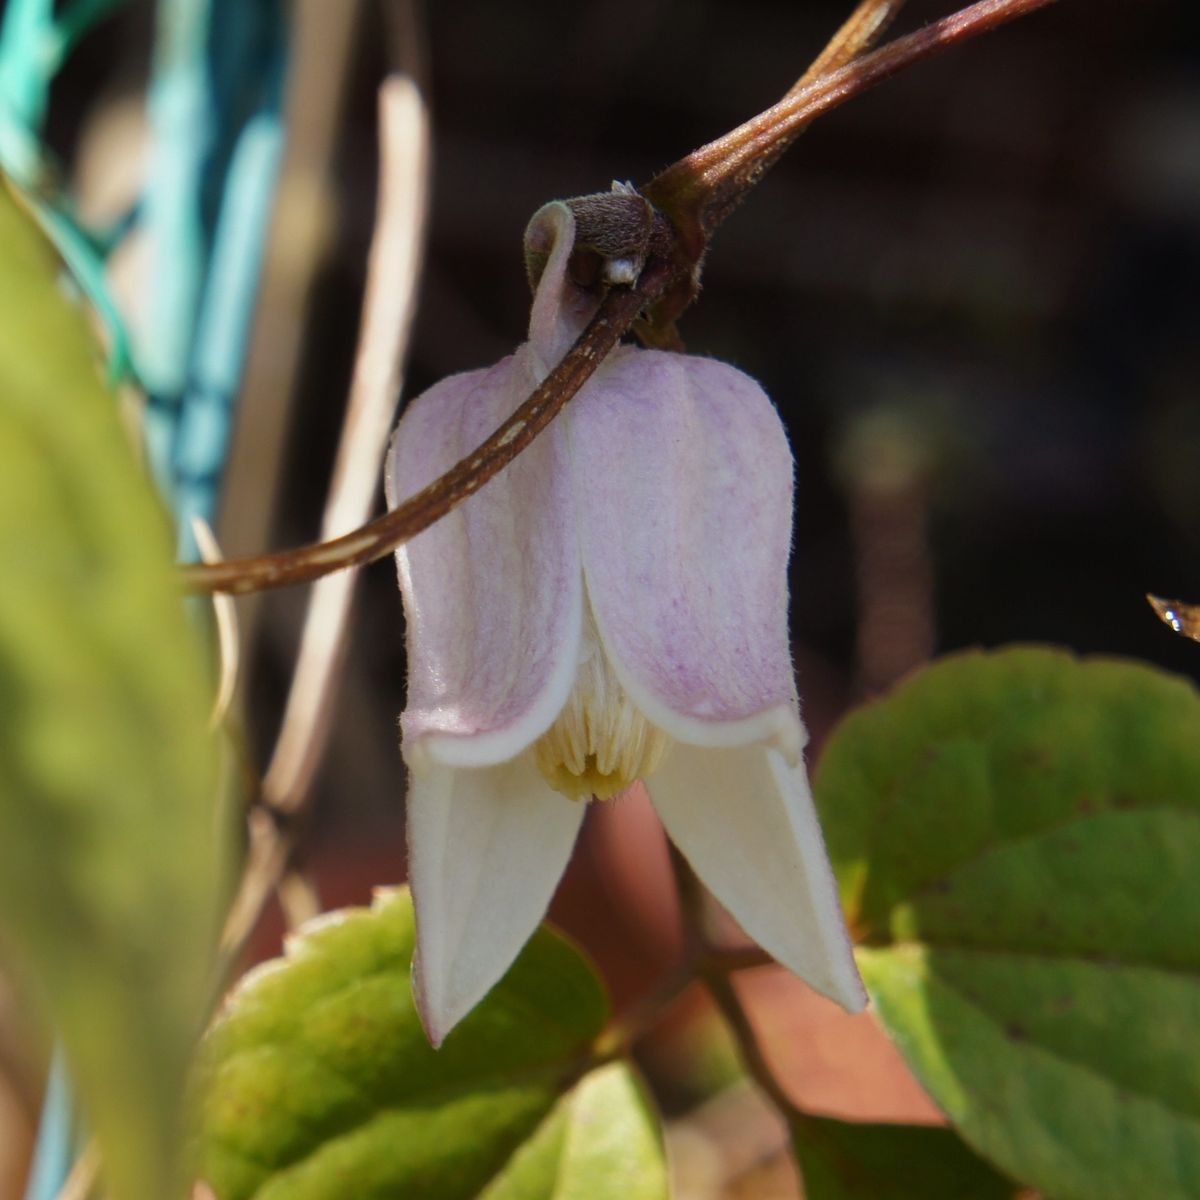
column 611, row 607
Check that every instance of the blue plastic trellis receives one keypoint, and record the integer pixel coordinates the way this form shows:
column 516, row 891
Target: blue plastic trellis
column 216, row 111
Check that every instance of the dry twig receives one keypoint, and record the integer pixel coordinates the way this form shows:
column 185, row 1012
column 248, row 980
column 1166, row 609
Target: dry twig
column 392, row 274
column 225, row 619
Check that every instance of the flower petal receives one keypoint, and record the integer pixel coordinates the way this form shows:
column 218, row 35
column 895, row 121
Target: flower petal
column 683, row 485
column 560, row 308
column 493, row 591
column 486, row 849
column 745, row 821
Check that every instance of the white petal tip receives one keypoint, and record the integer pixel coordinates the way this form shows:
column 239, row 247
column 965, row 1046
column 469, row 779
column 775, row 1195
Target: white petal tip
column 437, row 1018
column 827, row 966
column 416, row 756
column 435, row 1035
column 790, row 737
column 486, row 850
column 853, row 998
column 746, row 822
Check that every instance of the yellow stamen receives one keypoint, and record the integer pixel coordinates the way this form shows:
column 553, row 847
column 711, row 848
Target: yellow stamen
column 600, row 743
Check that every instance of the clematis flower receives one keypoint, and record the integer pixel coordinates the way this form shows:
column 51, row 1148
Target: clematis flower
column 612, row 607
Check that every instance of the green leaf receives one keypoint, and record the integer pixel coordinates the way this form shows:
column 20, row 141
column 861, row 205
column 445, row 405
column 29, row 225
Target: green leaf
column 1017, row 837
column 108, row 849
column 843, row 1161
column 318, row 1082
column 602, row 1142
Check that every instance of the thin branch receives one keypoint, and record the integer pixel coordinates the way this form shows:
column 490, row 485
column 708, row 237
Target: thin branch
column 387, row 310
column 730, row 959
column 699, row 960
column 702, row 189
column 697, row 194
column 268, row 854
column 298, row 897
column 323, row 39
column 225, row 619
column 691, row 234
column 393, row 267
column 716, row 977
column 393, row 270
column 381, row 536
column 861, row 30
column 645, row 1013
column 720, row 988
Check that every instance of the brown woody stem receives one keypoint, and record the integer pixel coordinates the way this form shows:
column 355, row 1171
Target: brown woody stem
column 721, row 988
column 697, row 194
column 861, row 30
column 384, row 534
column 702, row 189
column 714, row 970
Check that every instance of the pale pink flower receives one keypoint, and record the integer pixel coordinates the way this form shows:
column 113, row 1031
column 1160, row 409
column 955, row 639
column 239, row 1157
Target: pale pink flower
column 611, row 607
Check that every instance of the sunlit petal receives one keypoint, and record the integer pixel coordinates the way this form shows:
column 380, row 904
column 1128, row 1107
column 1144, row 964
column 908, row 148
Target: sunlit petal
column 745, row 821
column 492, row 591
column 486, row 850
column 683, row 484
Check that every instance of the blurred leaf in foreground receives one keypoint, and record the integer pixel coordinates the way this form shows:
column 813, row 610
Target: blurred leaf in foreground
column 1017, row 836
column 107, row 834
column 319, row 1082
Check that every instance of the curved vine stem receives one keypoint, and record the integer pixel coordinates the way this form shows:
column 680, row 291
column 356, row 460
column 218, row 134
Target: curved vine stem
column 696, row 194
column 715, row 970
column 701, row 190
column 861, row 30
column 466, row 477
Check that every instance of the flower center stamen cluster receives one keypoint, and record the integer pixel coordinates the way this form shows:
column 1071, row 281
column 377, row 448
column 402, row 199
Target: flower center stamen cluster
column 600, row 743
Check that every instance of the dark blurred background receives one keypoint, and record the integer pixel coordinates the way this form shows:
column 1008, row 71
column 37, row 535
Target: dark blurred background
column 972, row 293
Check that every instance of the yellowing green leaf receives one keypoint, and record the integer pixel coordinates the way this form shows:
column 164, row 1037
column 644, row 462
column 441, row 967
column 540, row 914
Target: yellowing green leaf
column 1017, row 837
column 318, row 1082
column 107, row 833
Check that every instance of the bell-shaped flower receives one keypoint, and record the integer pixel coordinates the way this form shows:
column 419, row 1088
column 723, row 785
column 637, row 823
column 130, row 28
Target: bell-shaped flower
column 612, row 607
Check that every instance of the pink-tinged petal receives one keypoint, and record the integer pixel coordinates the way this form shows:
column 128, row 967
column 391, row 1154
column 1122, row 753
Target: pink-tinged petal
column 683, row 484
column 560, row 308
column 492, row 592
column 486, row 849
column 745, row 821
